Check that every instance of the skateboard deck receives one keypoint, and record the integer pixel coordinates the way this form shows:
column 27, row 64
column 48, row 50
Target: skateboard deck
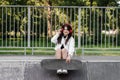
column 54, row 64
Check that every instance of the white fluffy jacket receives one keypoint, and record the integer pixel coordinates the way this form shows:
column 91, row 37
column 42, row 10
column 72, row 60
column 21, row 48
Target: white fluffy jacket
column 69, row 46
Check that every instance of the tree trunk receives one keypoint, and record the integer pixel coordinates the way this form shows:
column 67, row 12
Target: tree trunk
column 48, row 19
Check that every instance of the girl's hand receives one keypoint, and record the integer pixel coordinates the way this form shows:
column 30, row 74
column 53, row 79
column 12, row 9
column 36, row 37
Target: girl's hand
column 68, row 59
column 59, row 31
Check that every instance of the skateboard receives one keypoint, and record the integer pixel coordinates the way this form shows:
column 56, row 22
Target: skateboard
column 54, row 64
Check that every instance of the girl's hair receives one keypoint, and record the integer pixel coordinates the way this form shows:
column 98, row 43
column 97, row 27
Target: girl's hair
column 69, row 28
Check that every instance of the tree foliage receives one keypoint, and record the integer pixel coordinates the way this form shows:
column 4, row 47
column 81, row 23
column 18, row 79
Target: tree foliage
column 60, row 15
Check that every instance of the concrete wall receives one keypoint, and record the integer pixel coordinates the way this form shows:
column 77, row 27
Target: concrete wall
column 31, row 70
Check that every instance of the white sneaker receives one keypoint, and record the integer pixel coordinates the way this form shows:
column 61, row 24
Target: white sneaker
column 64, row 71
column 59, row 71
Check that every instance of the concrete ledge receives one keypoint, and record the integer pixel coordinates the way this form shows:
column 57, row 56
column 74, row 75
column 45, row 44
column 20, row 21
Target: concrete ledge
column 29, row 68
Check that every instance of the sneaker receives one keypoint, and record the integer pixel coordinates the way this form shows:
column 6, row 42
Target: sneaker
column 59, row 71
column 64, row 71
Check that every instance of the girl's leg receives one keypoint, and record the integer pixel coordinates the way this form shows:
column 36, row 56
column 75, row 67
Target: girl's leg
column 64, row 53
column 58, row 54
column 64, row 56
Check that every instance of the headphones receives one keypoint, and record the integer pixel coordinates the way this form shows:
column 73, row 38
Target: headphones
column 70, row 31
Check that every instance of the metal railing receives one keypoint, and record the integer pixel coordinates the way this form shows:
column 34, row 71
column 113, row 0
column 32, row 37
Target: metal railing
column 33, row 26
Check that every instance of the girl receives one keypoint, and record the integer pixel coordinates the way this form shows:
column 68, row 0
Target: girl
column 64, row 45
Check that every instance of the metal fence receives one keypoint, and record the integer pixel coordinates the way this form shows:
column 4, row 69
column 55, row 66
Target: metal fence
column 33, row 26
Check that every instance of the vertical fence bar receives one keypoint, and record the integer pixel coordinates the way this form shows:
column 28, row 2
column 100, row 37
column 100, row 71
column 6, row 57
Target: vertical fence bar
column 101, row 25
column 10, row 27
column 55, row 22
column 74, row 24
column 24, row 31
column 70, row 15
column 116, row 26
column 109, row 29
column 33, row 26
column 64, row 17
column 67, row 16
column 32, row 51
column 35, row 22
column 19, row 39
column 97, row 27
column 79, row 24
column 36, row 27
column 17, row 29
column 2, row 26
column 29, row 26
column 21, row 18
column 51, row 16
column 43, row 29
column 94, row 27
column 86, row 25
column 105, row 27
column 113, row 28
column 47, row 27
column 83, row 55
column 6, row 26
column 90, row 28
column 25, row 37
column 99, row 33
column 39, row 27
column 14, row 10
column 59, row 14
column 25, row 51
column 83, row 26
column 24, row 28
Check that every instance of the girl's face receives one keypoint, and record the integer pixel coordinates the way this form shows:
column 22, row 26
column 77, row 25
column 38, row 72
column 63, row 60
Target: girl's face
column 65, row 31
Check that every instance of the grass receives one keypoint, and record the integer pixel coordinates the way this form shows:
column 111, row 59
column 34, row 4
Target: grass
column 102, row 52
column 51, row 51
column 44, row 42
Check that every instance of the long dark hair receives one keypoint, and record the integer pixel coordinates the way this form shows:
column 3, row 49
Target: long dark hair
column 61, row 35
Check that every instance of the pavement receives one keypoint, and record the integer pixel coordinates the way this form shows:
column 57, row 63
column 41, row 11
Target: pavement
column 29, row 68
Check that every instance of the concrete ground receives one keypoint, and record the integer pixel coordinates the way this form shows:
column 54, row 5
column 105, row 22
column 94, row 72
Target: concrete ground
column 39, row 58
column 29, row 68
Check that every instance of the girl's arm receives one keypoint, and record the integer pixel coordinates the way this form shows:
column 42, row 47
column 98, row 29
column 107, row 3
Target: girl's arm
column 70, row 50
column 54, row 38
column 71, row 47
